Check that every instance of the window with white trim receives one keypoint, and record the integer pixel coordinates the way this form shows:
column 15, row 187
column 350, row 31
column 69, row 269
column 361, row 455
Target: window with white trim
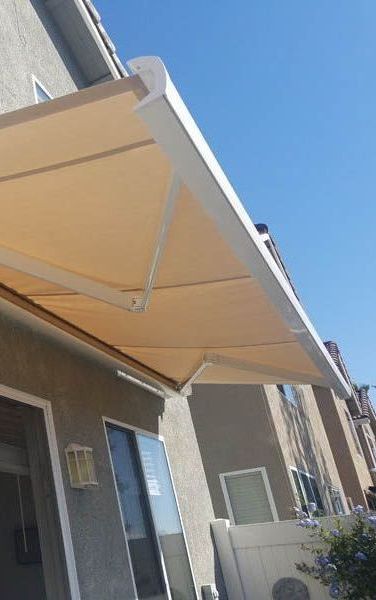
column 40, row 92
column 290, row 393
column 354, row 433
column 372, row 447
column 307, row 490
column 151, row 517
column 336, row 500
column 248, row 496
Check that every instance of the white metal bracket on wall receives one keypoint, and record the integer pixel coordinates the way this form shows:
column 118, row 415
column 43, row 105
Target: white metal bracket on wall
column 88, row 287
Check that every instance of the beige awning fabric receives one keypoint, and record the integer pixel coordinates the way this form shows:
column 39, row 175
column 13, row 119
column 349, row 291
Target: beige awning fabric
column 118, row 223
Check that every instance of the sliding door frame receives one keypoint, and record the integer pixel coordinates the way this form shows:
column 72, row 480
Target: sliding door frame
column 125, row 426
column 45, row 405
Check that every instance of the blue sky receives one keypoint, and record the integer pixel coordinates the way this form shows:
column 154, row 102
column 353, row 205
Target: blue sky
column 285, row 93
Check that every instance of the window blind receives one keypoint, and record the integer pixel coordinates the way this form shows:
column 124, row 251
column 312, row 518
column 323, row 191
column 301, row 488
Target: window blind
column 248, row 498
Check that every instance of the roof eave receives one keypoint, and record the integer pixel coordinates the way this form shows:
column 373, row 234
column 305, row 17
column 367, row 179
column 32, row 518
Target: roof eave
column 98, row 59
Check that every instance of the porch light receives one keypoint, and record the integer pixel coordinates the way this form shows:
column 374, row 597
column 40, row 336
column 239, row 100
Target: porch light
column 81, row 467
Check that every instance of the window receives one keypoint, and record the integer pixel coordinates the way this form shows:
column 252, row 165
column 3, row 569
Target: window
column 40, row 92
column 150, row 515
column 307, row 490
column 354, row 433
column 248, row 496
column 372, row 447
column 336, row 500
column 290, row 393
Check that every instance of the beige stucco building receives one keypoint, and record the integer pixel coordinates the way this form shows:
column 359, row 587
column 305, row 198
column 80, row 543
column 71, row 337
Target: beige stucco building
column 350, row 426
column 277, row 442
column 269, row 448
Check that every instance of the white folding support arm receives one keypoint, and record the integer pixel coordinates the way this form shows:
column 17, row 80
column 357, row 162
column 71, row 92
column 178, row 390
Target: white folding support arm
column 185, row 389
column 211, row 359
column 141, row 302
column 88, row 287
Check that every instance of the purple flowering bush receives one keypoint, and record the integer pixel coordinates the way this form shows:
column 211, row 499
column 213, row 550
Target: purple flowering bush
column 346, row 561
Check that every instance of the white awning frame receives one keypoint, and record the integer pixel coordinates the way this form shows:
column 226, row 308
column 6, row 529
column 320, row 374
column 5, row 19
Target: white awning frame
column 192, row 165
column 174, row 129
column 88, row 287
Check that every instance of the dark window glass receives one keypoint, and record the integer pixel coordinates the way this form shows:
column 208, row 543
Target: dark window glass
column 299, row 489
column 136, row 514
column 316, row 493
column 336, row 499
column 307, row 490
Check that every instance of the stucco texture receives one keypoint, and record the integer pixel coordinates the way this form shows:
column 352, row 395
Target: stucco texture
column 303, row 440
column 350, row 461
column 82, row 390
column 245, row 427
column 31, row 44
column 235, row 433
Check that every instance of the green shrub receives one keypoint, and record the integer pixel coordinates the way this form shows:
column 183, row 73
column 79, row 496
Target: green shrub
column 345, row 562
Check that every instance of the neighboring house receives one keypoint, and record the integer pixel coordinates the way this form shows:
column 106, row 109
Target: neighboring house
column 350, row 426
column 265, row 448
column 367, row 433
column 129, row 270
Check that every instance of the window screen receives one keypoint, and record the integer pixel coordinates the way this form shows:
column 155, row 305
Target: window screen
column 336, row 499
column 151, row 516
column 307, row 489
column 166, row 517
column 137, row 518
column 248, row 498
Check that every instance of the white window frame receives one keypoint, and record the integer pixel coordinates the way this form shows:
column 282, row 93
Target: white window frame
column 269, row 493
column 310, row 476
column 45, row 406
column 354, row 433
column 136, row 430
column 36, row 83
column 371, row 443
column 333, row 489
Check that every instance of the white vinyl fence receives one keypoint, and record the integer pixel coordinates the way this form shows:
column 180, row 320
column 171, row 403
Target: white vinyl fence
column 254, row 557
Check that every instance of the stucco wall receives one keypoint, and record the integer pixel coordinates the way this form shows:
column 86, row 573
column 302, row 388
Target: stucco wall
column 351, row 465
column 303, row 439
column 30, row 44
column 234, row 433
column 83, row 390
column 242, row 427
column 80, row 388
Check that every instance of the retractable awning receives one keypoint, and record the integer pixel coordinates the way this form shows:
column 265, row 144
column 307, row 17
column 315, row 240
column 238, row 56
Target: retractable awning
column 118, row 224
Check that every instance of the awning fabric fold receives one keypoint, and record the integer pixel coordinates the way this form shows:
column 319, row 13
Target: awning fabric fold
column 118, row 221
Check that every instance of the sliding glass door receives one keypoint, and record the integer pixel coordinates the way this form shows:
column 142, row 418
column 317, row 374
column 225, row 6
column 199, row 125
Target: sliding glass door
column 151, row 517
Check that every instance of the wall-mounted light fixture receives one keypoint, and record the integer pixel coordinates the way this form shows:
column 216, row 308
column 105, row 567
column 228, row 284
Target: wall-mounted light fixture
column 81, row 467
